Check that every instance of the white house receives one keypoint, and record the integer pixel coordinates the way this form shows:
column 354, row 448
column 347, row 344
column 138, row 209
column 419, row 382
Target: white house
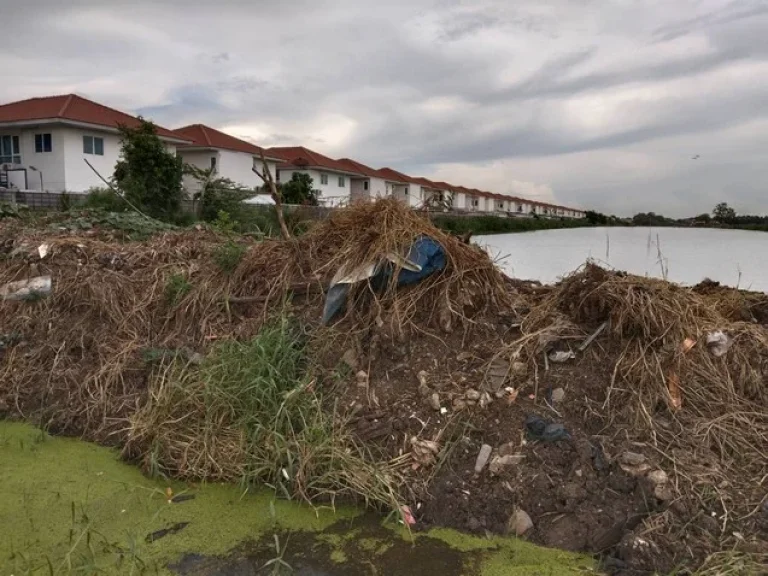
column 371, row 183
column 44, row 143
column 403, row 187
column 229, row 157
column 330, row 177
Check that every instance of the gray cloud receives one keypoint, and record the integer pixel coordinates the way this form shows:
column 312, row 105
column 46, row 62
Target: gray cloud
column 599, row 104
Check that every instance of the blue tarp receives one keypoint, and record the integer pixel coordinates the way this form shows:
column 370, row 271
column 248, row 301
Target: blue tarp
column 426, row 253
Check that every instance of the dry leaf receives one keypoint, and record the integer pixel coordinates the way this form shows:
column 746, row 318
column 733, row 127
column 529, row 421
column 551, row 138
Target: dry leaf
column 675, row 395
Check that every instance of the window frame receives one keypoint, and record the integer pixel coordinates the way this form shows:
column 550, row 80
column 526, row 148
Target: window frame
column 93, row 145
column 323, row 178
column 40, row 143
column 13, row 154
column 342, row 181
column 366, row 185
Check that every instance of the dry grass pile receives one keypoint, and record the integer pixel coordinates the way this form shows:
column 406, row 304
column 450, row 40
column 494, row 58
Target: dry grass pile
column 114, row 353
column 706, row 415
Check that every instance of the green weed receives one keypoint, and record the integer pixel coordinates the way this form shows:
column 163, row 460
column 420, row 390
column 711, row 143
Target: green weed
column 228, row 256
column 176, row 288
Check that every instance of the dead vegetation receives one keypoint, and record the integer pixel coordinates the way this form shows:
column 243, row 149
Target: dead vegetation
column 178, row 349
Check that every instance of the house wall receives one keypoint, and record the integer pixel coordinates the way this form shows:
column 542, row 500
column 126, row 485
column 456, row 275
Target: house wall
column 79, row 177
column 50, row 164
column 460, row 201
column 199, row 159
column 238, row 167
column 331, row 194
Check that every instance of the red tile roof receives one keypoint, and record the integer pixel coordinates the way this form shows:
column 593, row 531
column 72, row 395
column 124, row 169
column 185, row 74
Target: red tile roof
column 202, row 136
column 355, row 166
column 394, row 175
column 298, row 156
column 73, row 108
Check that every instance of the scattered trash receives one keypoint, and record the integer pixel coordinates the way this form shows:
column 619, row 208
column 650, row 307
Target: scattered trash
column 519, row 523
column 182, row 498
column 688, row 344
column 407, row 515
column 43, row 250
column 561, row 356
column 718, row 343
column 675, row 395
column 558, row 395
column 443, row 410
column 538, row 428
column 178, row 527
column 434, row 401
column 31, row 289
column 482, row 458
column 425, row 257
column 512, row 394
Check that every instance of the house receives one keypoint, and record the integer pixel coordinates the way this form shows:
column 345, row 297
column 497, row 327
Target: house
column 404, row 187
column 44, row 143
column 371, row 183
column 428, row 190
column 331, row 178
column 228, row 156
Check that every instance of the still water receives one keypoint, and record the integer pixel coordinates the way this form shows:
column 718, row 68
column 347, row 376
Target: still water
column 736, row 258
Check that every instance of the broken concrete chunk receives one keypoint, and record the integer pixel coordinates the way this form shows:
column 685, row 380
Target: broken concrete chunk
column 482, row 458
column 26, row 289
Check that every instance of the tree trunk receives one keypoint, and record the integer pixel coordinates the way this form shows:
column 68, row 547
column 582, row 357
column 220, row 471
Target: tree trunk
column 276, row 196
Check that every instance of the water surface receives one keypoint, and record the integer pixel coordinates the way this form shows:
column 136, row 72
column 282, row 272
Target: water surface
column 736, row 258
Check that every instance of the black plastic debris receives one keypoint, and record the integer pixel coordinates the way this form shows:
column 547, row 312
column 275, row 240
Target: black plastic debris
column 538, row 428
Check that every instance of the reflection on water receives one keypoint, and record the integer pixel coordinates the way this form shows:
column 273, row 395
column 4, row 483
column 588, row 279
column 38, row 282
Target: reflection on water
column 683, row 255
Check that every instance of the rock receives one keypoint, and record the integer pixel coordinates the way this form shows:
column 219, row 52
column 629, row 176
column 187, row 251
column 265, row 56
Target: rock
column 631, row 459
column 459, row 404
column 664, row 492
column 422, row 376
column 507, row 449
column 472, row 395
column 499, row 463
column 519, row 523
column 464, row 356
column 519, row 369
column 558, row 395
column 350, row 358
column 658, row 477
column 485, row 400
column 473, row 524
column 362, row 379
column 424, row 390
column 434, row 401
column 638, row 552
column 482, row 458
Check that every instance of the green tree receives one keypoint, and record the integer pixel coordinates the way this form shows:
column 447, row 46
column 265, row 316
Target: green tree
column 595, row 218
column 724, row 213
column 147, row 173
column 299, row 190
column 216, row 194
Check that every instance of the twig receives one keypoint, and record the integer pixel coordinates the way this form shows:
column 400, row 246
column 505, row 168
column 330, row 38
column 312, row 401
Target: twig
column 114, row 189
column 594, row 335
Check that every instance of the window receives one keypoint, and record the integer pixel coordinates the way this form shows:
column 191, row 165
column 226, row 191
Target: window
column 43, row 143
column 93, row 145
column 9, row 150
column 501, row 205
column 342, row 181
column 323, row 178
column 406, row 190
column 365, row 185
column 213, row 163
column 475, row 202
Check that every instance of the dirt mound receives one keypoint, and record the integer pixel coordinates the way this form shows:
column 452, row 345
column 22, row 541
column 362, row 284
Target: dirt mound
column 617, row 414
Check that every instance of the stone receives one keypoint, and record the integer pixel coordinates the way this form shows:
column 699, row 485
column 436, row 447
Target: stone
column 434, row 401
column 658, row 477
column 519, row 523
column 664, row 492
column 482, row 458
column 473, row 524
column 362, row 379
column 424, row 390
column 558, row 395
column 519, row 368
column 632, row 459
column 459, row 404
column 499, row 463
column 485, row 400
column 472, row 395
column 464, row 356
column 350, row 358
column 507, row 449
column 422, row 376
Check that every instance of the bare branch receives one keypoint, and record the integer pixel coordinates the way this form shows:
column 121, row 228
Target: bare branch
column 114, row 189
column 266, row 176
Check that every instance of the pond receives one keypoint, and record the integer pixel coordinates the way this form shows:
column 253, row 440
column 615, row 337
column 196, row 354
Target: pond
column 70, row 507
column 684, row 255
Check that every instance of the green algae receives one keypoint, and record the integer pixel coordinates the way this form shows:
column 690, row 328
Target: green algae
column 67, row 506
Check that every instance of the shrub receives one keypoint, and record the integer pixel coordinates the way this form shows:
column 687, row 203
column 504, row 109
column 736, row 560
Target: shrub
column 176, row 288
column 228, row 256
column 105, row 199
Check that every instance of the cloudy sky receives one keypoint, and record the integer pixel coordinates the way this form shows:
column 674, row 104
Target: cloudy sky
column 593, row 103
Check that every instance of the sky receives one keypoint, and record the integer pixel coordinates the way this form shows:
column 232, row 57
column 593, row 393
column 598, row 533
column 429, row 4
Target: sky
column 622, row 106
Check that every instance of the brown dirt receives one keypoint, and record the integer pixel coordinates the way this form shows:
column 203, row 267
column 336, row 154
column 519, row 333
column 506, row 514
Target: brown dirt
column 79, row 369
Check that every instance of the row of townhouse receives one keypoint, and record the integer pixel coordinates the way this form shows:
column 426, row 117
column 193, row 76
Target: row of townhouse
column 44, row 143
